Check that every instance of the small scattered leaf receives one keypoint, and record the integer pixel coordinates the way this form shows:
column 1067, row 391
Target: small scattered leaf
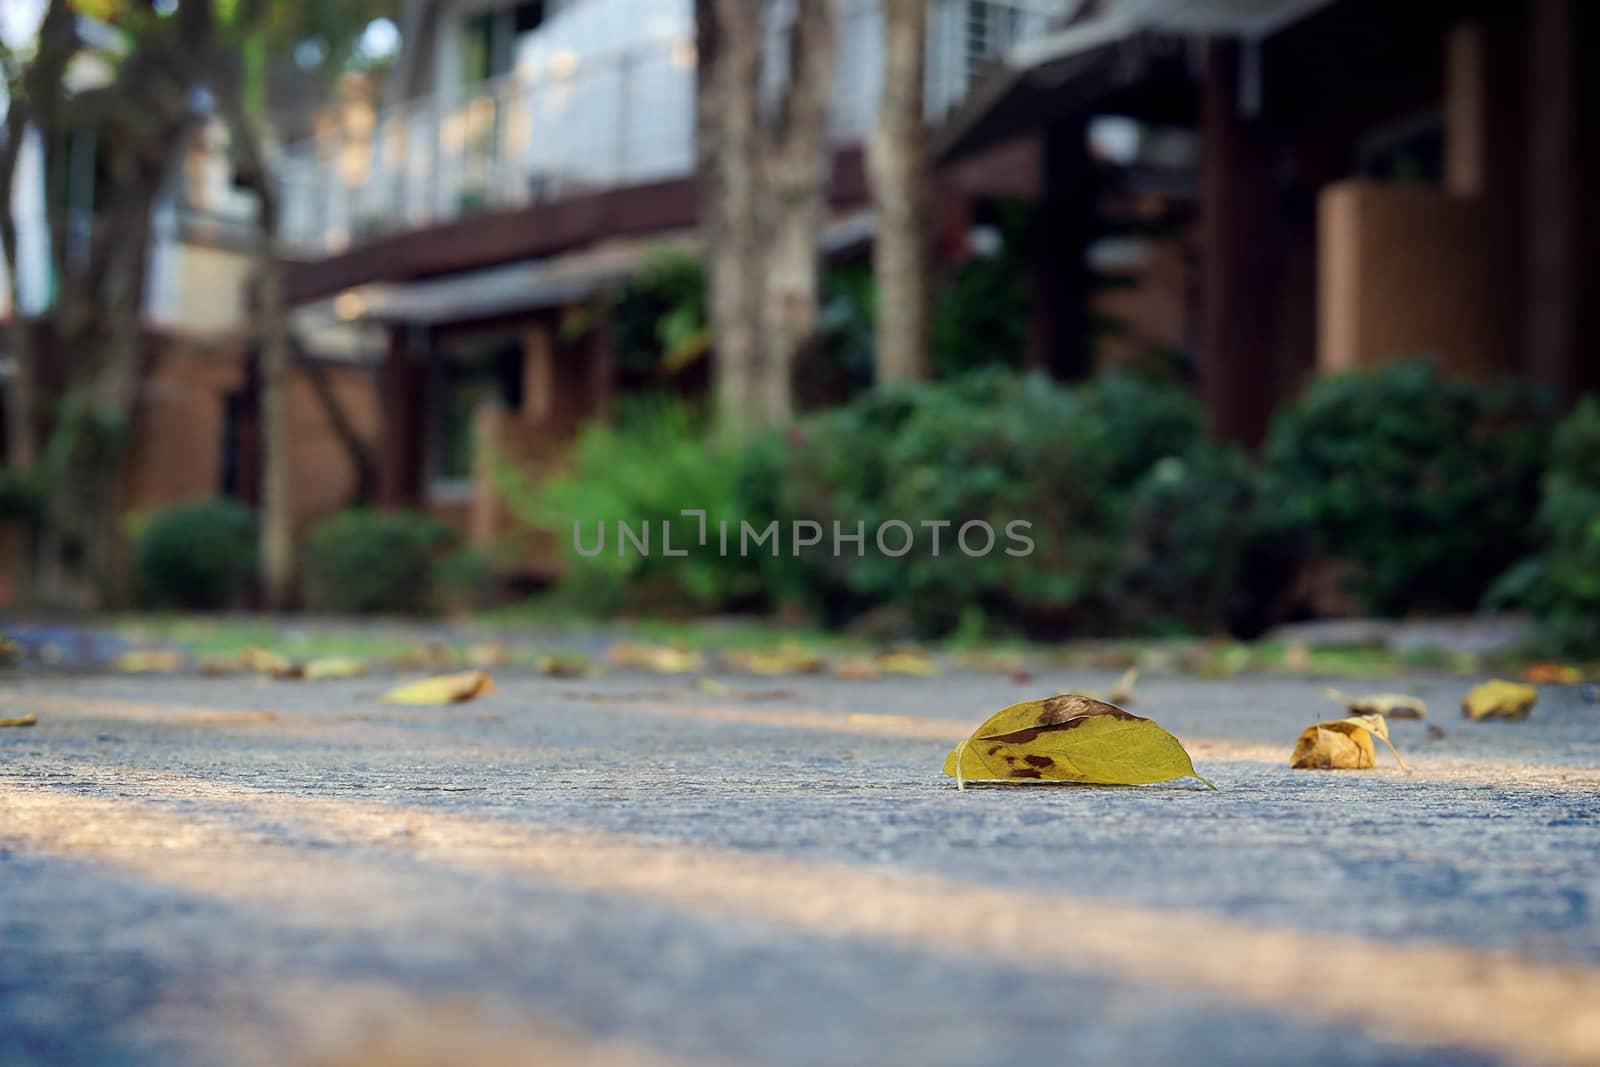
column 991, row 661
column 443, row 689
column 1389, row 705
column 712, row 686
column 1342, row 745
column 1552, row 674
column 148, row 661
column 1069, row 739
column 566, row 665
column 856, row 669
column 663, row 659
column 911, row 664
column 1122, row 691
column 329, row 667
column 787, row 658
column 219, row 666
column 20, row 720
column 1499, row 699
column 271, row 664
column 488, row 654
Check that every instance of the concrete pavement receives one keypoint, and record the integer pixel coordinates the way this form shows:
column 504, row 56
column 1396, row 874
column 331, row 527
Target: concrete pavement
column 631, row 870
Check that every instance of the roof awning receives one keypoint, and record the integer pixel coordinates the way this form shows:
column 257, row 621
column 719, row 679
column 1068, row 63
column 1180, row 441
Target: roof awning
column 1086, row 64
column 534, row 285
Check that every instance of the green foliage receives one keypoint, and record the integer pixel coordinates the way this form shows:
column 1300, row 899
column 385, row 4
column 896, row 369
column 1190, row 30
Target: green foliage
column 199, row 556
column 20, row 497
column 1562, row 583
column 362, row 561
column 655, row 461
column 980, row 310
column 660, row 314
column 1426, row 484
column 1208, row 548
column 463, row 580
column 990, row 447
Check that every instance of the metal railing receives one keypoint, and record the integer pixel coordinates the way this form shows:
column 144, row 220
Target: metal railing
column 582, row 124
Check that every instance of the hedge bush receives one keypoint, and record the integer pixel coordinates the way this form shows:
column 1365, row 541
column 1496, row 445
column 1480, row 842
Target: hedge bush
column 196, row 556
column 363, row 561
column 1426, row 484
column 1562, row 583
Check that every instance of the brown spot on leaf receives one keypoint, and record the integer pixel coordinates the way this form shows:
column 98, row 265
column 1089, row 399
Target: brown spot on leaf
column 1039, row 761
column 1025, row 773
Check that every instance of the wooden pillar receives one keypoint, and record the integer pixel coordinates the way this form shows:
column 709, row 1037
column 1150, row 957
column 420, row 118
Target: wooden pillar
column 1239, row 377
column 402, row 452
column 1556, row 270
column 1058, row 326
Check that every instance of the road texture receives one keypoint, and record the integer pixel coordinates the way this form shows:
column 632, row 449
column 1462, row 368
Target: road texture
column 631, row 870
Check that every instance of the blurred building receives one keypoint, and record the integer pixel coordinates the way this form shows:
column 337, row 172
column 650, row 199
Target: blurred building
column 531, row 155
column 1342, row 182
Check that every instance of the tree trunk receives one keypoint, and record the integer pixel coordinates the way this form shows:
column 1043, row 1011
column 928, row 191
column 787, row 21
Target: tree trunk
column 728, row 113
column 899, row 193
column 795, row 173
column 277, row 494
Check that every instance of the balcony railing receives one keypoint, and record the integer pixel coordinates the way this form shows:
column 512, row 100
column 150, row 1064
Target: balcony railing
column 577, row 124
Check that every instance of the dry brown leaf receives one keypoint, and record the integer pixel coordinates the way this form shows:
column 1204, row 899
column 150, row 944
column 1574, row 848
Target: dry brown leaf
column 856, row 669
column 442, row 689
column 148, row 661
column 1499, row 699
column 1389, row 705
column 1342, row 745
column 663, row 659
column 271, row 664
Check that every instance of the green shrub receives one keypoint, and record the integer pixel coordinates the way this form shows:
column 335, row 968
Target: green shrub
column 1562, row 583
column 363, row 561
column 655, row 461
column 1425, row 484
column 990, row 447
column 1207, row 547
column 198, row 556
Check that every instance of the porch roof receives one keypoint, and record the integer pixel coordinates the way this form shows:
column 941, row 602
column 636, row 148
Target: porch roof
column 1088, row 64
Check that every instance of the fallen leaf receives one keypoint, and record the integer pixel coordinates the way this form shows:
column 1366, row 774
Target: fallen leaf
column 442, row 689
column 787, row 658
column 712, row 686
column 566, row 665
column 271, row 664
column 912, row 664
column 328, row 667
column 218, row 666
column 1499, row 699
column 1342, row 745
column 22, row 720
column 663, row 659
column 148, row 661
column 1552, row 674
column 1069, row 739
column 992, row 661
column 1122, row 691
column 1297, row 658
column 857, row 669
column 1022, row 677
column 488, row 654
column 1389, row 705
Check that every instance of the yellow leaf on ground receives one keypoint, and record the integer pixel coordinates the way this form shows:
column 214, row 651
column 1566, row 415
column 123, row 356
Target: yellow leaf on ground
column 1069, row 738
column 21, row 720
column 488, row 654
column 912, row 664
column 1499, row 699
column 1342, row 745
column 787, row 658
column 663, row 659
column 148, row 661
column 216, row 666
column 1122, row 691
column 1389, row 705
column 856, row 669
column 566, row 665
column 272, row 664
column 334, row 667
column 443, row 689
column 1552, row 674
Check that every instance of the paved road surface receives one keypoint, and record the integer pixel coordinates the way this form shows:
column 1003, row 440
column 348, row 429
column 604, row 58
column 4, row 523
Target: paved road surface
column 631, row 871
